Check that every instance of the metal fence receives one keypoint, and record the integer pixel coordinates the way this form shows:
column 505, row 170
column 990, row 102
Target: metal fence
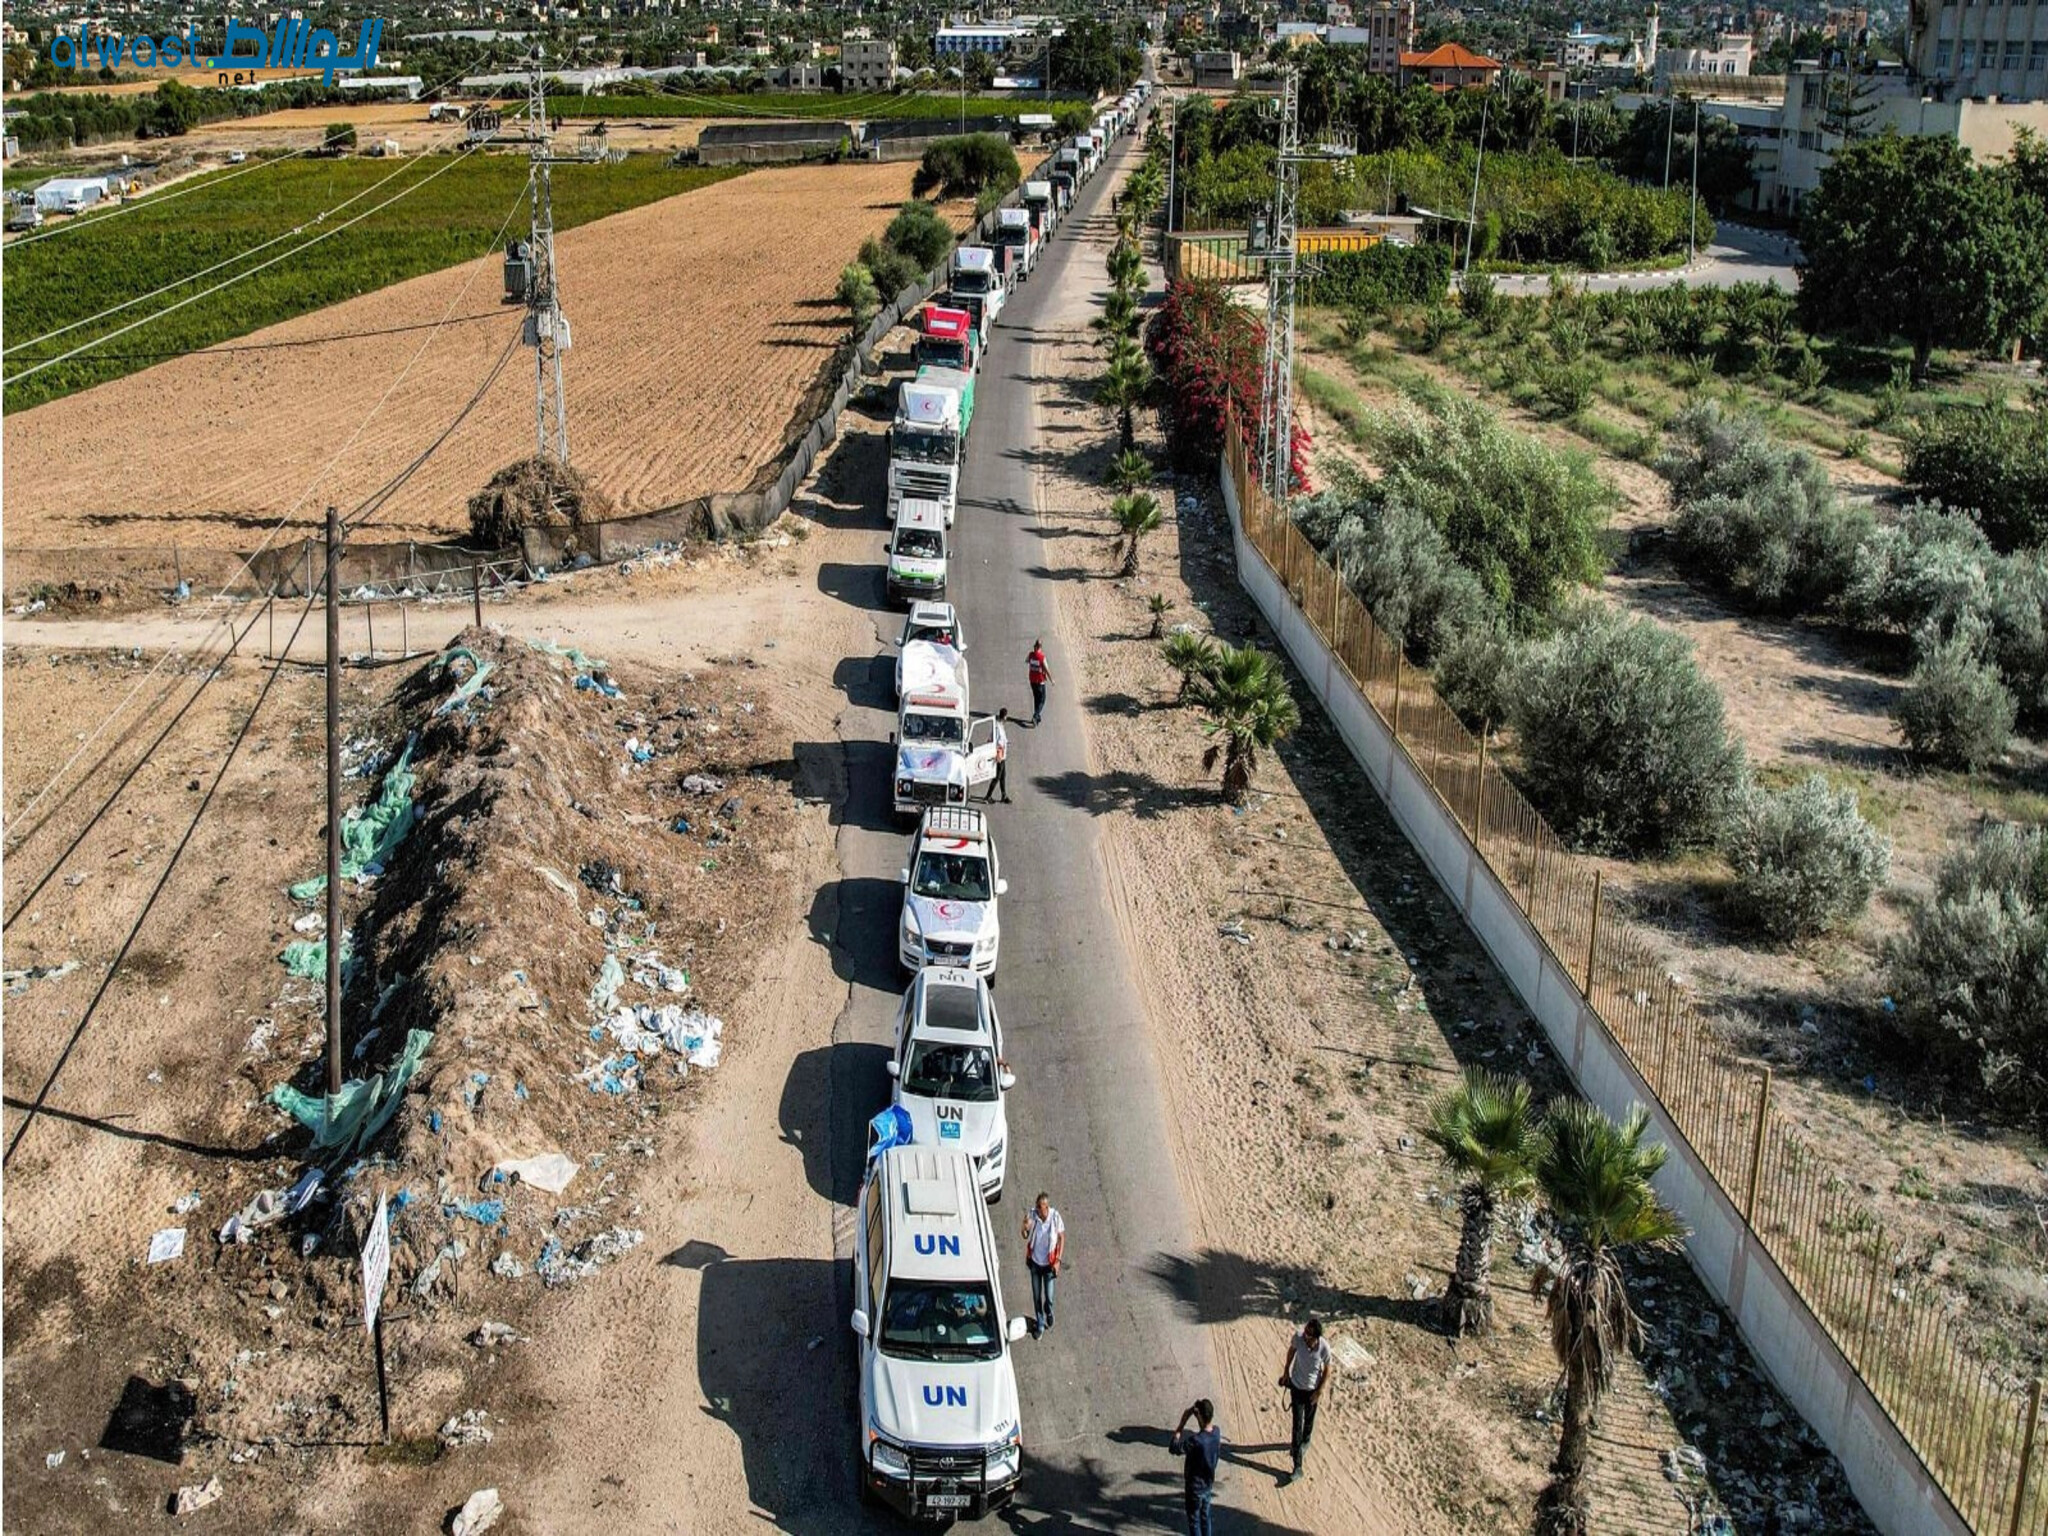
column 1973, row 1424
column 1225, row 256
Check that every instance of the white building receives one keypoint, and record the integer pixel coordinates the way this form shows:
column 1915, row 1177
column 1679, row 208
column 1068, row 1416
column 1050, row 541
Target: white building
column 1731, row 54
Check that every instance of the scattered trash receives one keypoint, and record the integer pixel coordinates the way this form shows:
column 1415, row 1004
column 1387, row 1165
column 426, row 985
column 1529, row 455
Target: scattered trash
column 570, row 654
column 1350, row 1355
column 485, row 1213
column 473, row 1091
column 560, row 1267
column 601, row 685
column 272, row 1206
column 181, row 593
column 196, row 1496
column 351, row 1117
column 371, row 832
column 490, row 1335
column 17, row 982
column 508, row 1267
column 1235, row 930
column 702, row 784
column 478, row 1514
column 307, row 958
column 610, row 977
column 549, row 1171
column 557, row 880
column 1417, row 1286
column 1682, row 1462
column 469, row 687
column 638, row 750
column 185, row 1205
column 423, row 1282
column 54, row 1460
column 1710, row 1325
column 312, row 922
column 465, row 1429
column 167, row 1245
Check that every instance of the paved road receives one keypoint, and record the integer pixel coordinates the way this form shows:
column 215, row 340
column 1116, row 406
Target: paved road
column 1085, row 1118
column 1737, row 255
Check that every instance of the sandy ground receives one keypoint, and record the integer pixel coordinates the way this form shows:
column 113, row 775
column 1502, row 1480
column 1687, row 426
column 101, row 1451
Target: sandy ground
column 1961, row 1195
column 701, row 326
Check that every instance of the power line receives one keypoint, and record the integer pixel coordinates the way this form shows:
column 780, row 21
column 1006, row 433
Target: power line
column 404, row 192
column 307, row 341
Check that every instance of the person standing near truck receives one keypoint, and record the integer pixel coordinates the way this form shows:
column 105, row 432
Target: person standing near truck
column 1001, row 782
column 1040, row 675
column 1304, row 1373
column 1045, row 1242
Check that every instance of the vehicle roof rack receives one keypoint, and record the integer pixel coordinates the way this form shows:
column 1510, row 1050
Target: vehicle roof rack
column 954, row 821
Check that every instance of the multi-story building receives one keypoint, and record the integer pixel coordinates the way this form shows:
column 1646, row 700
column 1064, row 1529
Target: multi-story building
column 866, row 65
column 1730, row 54
column 1381, row 32
column 1995, row 52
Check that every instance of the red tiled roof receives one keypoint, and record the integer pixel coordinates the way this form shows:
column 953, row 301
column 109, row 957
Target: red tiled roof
column 1448, row 56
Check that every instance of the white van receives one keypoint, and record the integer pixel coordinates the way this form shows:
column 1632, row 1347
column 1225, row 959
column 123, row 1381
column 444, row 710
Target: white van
column 917, row 551
column 940, row 1436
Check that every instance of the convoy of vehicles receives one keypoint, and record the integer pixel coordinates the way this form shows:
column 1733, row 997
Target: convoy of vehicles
column 950, row 891
column 941, row 1437
column 940, row 1434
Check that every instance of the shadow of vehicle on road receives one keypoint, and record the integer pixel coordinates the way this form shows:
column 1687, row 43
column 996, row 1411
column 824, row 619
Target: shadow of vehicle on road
column 827, row 1098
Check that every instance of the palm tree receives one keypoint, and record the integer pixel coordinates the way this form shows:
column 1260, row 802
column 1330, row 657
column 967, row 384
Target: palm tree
column 1595, row 1177
column 1124, row 386
column 1158, row 605
column 1136, row 515
column 1119, row 316
column 1129, row 471
column 1192, row 656
column 1489, row 1139
column 1127, row 267
column 1249, row 708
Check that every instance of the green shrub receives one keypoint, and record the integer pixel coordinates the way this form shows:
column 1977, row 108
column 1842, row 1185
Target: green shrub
column 1805, row 859
column 1438, row 321
column 1991, row 459
column 1809, row 372
column 1926, row 570
column 1755, row 517
column 1481, row 302
column 1597, row 249
column 968, row 165
column 1954, row 710
column 1522, row 516
column 1969, row 978
column 1624, row 741
column 1568, row 387
column 1473, row 673
column 1381, row 276
column 893, row 271
column 2016, row 614
column 1397, row 562
column 921, row 233
column 857, row 293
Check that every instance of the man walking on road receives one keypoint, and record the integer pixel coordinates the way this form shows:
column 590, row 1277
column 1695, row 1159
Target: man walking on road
column 1200, row 1452
column 1045, row 1240
column 1002, row 778
column 1304, row 1373
column 1040, row 675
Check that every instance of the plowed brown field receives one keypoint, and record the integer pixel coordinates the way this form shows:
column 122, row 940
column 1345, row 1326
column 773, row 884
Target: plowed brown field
column 701, row 323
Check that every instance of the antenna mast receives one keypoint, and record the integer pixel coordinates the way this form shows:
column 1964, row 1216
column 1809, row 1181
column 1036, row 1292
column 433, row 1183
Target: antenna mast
column 547, row 328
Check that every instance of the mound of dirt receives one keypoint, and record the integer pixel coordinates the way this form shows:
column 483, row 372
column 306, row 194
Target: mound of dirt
column 584, row 885
column 537, row 492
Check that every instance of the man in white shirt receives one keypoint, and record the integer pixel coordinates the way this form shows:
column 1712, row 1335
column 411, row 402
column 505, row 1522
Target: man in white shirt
column 1045, row 1241
column 1304, row 1373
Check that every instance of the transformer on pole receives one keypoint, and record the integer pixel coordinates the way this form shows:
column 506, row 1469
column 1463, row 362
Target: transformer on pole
column 1276, row 245
column 547, row 328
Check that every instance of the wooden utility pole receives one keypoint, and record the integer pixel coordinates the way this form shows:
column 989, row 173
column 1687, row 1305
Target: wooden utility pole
column 333, row 803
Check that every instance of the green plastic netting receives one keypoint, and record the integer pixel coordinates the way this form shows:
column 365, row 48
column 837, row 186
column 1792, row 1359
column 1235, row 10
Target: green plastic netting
column 351, row 1117
column 370, row 833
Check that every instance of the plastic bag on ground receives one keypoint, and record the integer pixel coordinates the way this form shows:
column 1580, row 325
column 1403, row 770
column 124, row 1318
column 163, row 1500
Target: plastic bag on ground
column 610, row 977
column 371, row 832
column 548, row 1171
column 470, row 686
column 350, row 1118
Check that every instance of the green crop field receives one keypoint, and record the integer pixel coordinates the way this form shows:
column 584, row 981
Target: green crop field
column 114, row 257
column 932, row 105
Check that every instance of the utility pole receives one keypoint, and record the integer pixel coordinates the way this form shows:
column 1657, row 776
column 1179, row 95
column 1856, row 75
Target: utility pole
column 1670, row 121
column 1692, row 239
column 547, row 328
column 1575, row 123
column 334, row 929
column 1472, row 213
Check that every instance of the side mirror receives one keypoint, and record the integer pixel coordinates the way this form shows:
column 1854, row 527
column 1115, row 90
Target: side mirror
column 892, row 738
column 1002, row 887
column 903, row 877
column 1006, row 1081
column 860, row 1323
column 1019, row 1326
column 894, row 1069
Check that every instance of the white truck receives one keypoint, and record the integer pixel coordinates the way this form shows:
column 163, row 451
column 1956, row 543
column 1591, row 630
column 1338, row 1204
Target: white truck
column 942, row 748
column 951, row 888
column 1040, row 207
column 950, row 1073
column 940, row 1435
column 931, row 624
column 975, row 285
column 1015, row 236
column 917, row 552
column 924, row 447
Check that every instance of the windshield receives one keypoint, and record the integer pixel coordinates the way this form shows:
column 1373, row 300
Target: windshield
column 919, row 543
column 962, row 1072
column 926, row 447
column 970, row 282
column 945, row 730
column 952, row 876
column 929, row 1320
column 942, row 354
column 938, row 634
column 1010, row 235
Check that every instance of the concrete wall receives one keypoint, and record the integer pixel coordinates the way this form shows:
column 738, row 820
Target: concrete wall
column 1787, row 1340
